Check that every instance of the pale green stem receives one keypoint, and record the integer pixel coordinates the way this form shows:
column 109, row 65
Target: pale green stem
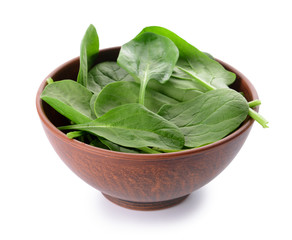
column 143, row 85
column 148, row 150
column 168, row 150
column 254, row 103
column 201, row 82
column 142, row 93
column 74, row 134
column 50, row 80
column 256, row 116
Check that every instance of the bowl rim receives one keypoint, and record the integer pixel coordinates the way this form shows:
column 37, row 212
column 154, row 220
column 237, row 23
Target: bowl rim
column 140, row 156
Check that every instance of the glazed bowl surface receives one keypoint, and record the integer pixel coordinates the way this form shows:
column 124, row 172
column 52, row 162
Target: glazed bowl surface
column 142, row 181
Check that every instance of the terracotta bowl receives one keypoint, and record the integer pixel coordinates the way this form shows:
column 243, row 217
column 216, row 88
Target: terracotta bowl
column 141, row 181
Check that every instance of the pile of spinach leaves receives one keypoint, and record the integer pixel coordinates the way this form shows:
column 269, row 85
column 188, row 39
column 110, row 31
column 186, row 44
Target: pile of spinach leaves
column 161, row 95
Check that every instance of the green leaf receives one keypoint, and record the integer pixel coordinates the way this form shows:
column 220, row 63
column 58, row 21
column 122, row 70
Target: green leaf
column 115, row 147
column 132, row 125
column 104, row 73
column 120, row 93
column 195, row 64
column 148, row 56
column 209, row 117
column 88, row 54
column 200, row 67
column 178, row 89
column 92, row 102
column 70, row 99
column 75, row 134
column 97, row 143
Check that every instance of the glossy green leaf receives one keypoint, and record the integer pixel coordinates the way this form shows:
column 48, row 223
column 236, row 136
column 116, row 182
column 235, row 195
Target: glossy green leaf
column 200, row 67
column 70, row 99
column 92, row 102
column 209, row 117
column 178, row 89
column 195, row 64
column 104, row 73
column 162, row 95
column 148, row 56
column 88, row 54
column 132, row 125
column 120, row 93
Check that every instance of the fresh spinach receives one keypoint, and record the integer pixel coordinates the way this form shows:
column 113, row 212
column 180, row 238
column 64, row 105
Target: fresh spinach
column 209, row 117
column 178, row 89
column 104, row 73
column 92, row 101
column 88, row 54
column 200, row 67
column 71, row 99
column 148, row 56
column 133, row 125
column 194, row 63
column 115, row 147
column 119, row 93
column 162, row 95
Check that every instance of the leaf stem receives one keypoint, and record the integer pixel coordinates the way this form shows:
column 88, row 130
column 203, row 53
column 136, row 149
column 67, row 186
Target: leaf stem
column 75, row 134
column 142, row 93
column 254, row 103
column 256, row 116
column 49, row 80
column 168, row 150
column 143, row 85
column 201, row 82
column 148, row 150
column 67, row 127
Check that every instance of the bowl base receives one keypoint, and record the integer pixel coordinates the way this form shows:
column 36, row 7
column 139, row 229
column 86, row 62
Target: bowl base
column 146, row 206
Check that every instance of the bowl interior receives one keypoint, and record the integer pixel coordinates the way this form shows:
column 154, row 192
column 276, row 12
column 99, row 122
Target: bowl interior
column 69, row 70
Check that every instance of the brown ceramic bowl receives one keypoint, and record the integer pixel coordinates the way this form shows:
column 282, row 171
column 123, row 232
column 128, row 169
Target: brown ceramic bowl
column 142, row 181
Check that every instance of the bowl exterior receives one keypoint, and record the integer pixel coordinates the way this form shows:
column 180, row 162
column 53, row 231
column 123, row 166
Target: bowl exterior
column 144, row 178
column 141, row 177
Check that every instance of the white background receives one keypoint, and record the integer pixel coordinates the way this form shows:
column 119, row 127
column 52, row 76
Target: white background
column 42, row 199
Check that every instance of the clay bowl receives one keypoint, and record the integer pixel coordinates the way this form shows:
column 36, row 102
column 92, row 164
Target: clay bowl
column 142, row 181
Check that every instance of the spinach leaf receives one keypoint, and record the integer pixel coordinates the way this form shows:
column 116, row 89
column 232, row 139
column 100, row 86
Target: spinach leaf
column 187, row 103
column 92, row 102
column 97, row 143
column 104, row 73
column 209, row 117
column 70, row 99
column 119, row 93
column 88, row 53
column 115, row 147
column 148, row 56
column 181, row 82
column 196, row 64
column 132, row 125
column 180, row 90
column 200, row 67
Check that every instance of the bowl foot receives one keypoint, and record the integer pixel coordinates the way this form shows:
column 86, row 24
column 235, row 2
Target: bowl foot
column 146, row 206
